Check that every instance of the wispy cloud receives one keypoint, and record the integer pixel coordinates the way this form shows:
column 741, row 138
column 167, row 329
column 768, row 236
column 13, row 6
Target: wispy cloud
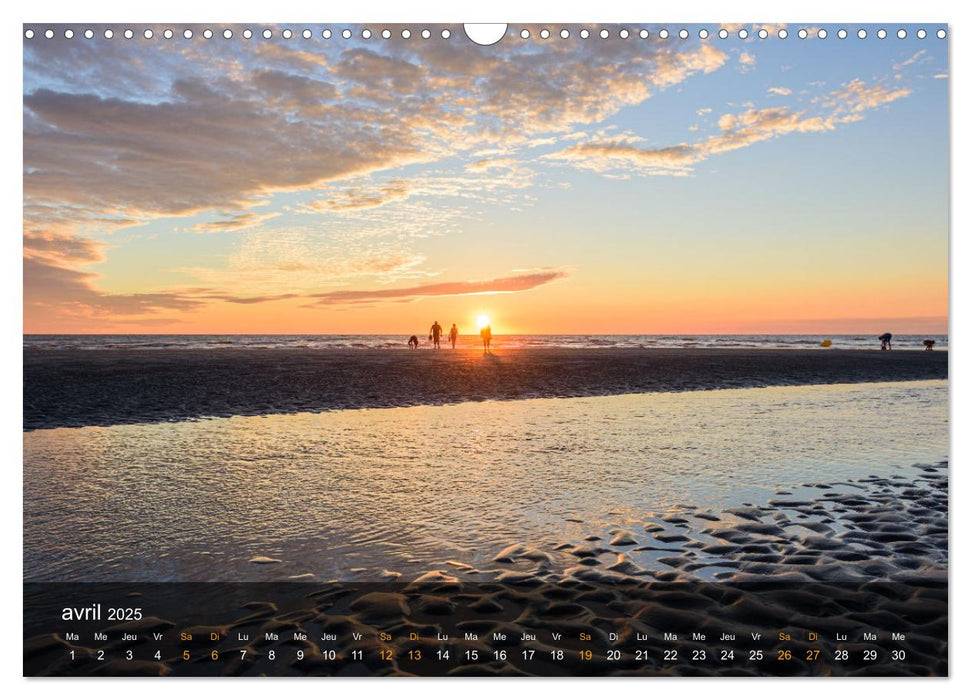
column 919, row 57
column 236, row 222
column 858, row 96
column 736, row 130
column 355, row 198
column 249, row 300
column 746, row 61
column 503, row 285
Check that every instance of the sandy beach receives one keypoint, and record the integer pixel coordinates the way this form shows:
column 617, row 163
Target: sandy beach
column 868, row 555
column 73, row 388
column 619, row 496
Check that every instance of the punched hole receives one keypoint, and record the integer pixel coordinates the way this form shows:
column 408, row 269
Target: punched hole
column 487, row 34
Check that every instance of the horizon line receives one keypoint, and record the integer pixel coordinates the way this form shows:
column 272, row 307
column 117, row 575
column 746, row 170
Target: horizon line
column 535, row 335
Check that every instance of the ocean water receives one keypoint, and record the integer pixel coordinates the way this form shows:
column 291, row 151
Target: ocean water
column 348, row 494
column 175, row 342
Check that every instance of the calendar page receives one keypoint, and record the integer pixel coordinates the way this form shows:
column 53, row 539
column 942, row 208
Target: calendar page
column 485, row 350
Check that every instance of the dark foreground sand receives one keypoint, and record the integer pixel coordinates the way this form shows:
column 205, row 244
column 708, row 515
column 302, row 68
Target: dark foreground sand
column 88, row 387
column 862, row 556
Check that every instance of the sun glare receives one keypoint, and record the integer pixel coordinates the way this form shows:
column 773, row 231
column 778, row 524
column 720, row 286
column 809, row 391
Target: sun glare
column 482, row 321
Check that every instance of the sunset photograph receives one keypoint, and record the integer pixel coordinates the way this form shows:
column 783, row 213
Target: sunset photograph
column 353, row 349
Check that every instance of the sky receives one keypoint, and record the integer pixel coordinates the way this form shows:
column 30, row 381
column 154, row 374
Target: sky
column 561, row 185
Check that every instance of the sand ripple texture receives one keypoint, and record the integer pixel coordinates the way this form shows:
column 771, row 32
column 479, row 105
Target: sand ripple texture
column 864, row 555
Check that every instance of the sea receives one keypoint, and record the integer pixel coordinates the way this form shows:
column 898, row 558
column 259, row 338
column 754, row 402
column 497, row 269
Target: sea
column 400, row 342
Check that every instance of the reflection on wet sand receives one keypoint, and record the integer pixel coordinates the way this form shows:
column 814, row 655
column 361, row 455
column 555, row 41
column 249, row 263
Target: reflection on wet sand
column 361, row 494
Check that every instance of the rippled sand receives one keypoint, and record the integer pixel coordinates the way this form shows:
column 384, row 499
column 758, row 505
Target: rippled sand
column 867, row 555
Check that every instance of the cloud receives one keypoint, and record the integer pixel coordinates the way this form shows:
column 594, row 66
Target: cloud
column 198, row 151
column 237, row 222
column 64, row 248
column 364, row 199
column 505, row 285
column 250, row 300
column 492, row 180
column 279, row 54
column 674, row 67
column 73, row 294
column 736, row 131
column 488, row 164
column 609, row 154
column 375, row 75
column 746, row 61
column 293, row 92
column 782, row 91
column 857, row 96
column 919, row 57
column 755, row 125
column 193, row 297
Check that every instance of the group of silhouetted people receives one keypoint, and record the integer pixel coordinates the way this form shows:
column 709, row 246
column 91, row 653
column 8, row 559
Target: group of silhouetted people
column 435, row 337
column 886, row 344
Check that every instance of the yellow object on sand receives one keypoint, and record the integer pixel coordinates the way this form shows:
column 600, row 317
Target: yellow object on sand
column 826, row 343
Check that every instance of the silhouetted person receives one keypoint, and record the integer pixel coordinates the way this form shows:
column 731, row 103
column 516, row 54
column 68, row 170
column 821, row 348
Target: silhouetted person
column 413, row 342
column 929, row 344
column 435, row 334
column 885, row 341
column 453, row 335
column 486, row 334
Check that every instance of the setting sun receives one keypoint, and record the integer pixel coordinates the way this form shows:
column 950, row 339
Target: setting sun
column 482, row 321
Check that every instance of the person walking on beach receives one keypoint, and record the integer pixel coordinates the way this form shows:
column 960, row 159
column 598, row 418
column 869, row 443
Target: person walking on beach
column 453, row 335
column 486, row 334
column 885, row 341
column 435, row 334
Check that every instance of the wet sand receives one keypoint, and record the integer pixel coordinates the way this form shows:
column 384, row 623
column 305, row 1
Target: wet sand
column 72, row 388
column 866, row 555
